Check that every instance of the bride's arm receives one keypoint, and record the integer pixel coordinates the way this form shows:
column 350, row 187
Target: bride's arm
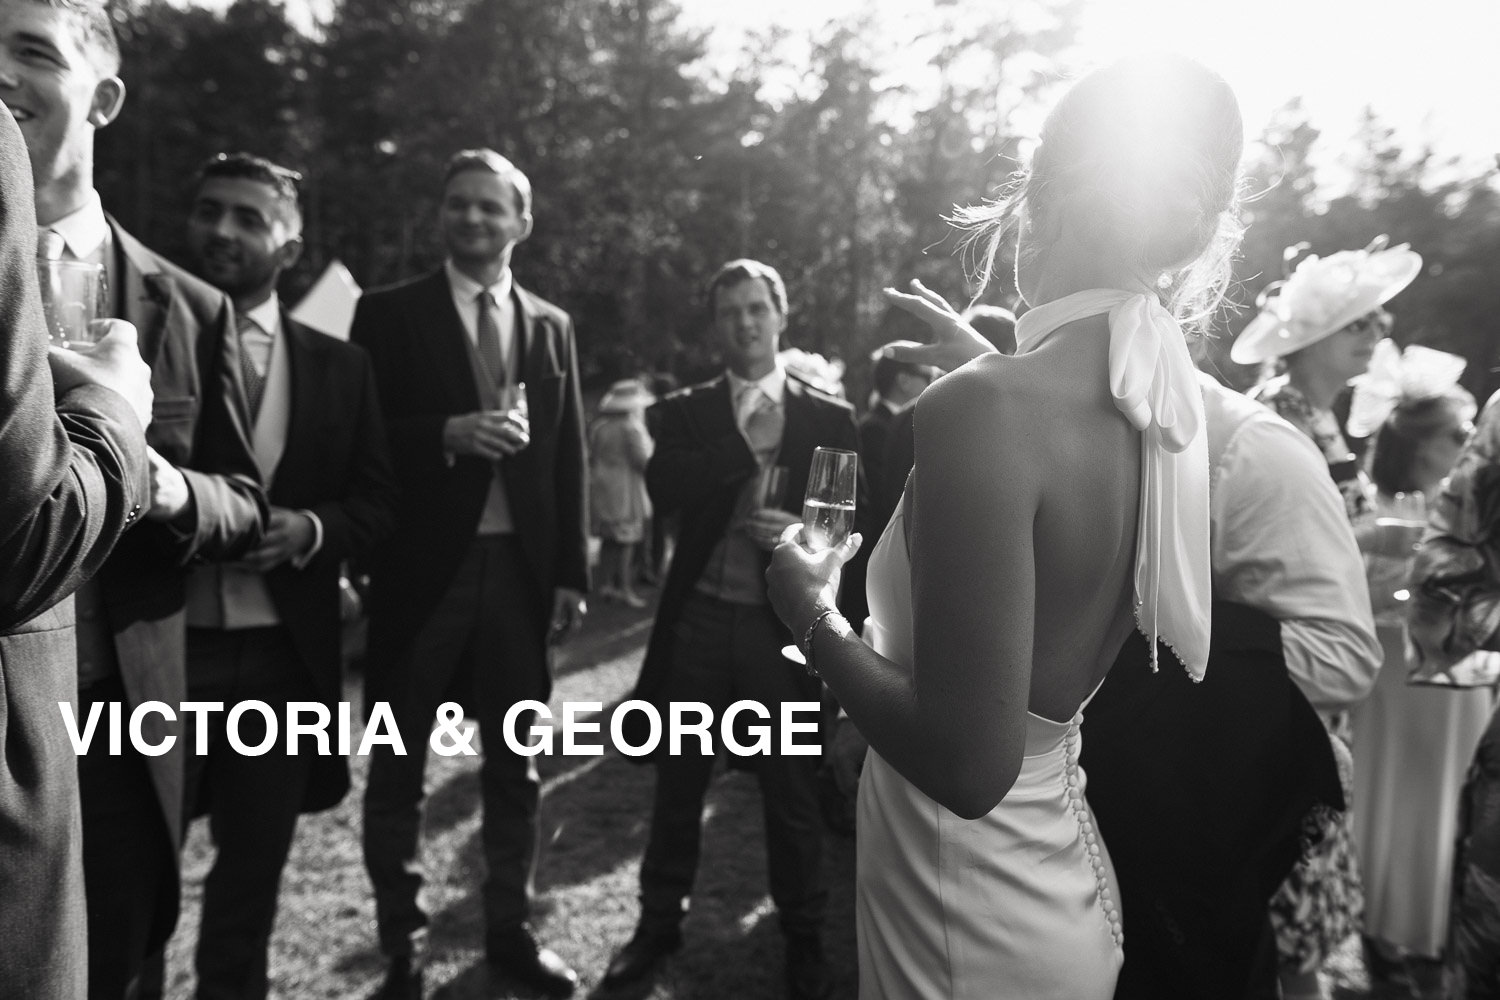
column 955, row 726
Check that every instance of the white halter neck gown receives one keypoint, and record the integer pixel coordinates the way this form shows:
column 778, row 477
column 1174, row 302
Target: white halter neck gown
column 1022, row 902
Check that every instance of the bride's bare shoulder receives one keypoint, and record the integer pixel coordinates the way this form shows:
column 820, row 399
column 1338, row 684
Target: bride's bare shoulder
column 991, row 383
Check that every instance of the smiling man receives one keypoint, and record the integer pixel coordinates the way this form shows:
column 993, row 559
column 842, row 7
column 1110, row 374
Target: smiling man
column 716, row 639
column 490, row 555
column 268, row 629
column 58, row 66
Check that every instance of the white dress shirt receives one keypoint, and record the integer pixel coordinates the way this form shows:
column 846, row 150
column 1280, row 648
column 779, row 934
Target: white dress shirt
column 772, row 385
column 83, row 230
column 466, row 291
column 1282, row 543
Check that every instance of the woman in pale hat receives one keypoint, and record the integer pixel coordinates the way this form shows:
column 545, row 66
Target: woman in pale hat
column 1322, row 325
column 619, row 447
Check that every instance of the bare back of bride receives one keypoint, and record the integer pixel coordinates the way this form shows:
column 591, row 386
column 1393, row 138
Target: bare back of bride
column 1059, row 500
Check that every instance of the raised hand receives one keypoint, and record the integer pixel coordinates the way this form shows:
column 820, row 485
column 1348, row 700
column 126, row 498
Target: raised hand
column 957, row 342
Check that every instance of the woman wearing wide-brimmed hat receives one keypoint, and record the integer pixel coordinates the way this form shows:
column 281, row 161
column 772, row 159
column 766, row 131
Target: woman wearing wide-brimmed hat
column 1321, row 325
column 619, row 447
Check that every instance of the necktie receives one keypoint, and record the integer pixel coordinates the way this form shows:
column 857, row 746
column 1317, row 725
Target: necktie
column 487, row 332
column 255, row 378
column 50, row 244
column 762, row 422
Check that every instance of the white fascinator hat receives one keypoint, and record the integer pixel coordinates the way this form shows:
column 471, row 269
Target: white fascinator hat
column 1324, row 295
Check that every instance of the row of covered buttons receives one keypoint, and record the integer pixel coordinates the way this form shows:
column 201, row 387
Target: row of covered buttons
column 1090, row 835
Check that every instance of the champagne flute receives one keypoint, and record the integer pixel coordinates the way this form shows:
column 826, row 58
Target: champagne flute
column 828, row 506
column 827, row 509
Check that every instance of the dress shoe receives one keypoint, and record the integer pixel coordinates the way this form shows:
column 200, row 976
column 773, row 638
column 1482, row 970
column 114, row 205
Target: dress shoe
column 403, row 979
column 517, row 953
column 807, row 976
column 637, row 963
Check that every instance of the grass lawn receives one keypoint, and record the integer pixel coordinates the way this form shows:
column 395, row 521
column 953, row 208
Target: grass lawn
column 594, row 816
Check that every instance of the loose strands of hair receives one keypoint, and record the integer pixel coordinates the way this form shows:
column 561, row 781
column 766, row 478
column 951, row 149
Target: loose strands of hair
column 1167, row 191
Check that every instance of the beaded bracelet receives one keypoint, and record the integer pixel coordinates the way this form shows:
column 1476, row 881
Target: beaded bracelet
column 807, row 640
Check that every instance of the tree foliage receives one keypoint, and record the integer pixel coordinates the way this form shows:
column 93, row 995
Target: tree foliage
column 652, row 164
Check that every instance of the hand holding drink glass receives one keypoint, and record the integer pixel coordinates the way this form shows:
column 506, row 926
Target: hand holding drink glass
column 515, row 412
column 805, row 567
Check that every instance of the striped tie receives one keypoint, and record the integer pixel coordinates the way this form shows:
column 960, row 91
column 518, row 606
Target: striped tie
column 487, row 333
column 50, row 244
column 255, row 379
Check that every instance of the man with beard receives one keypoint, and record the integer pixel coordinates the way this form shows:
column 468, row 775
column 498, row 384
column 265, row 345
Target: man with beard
column 267, row 628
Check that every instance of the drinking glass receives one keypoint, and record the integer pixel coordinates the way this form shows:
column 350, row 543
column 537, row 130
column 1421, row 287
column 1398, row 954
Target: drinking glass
column 769, row 491
column 828, row 507
column 512, row 396
column 73, row 296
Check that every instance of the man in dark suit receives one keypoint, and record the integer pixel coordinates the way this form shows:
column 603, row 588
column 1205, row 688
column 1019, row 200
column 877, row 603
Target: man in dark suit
column 716, row 640
column 490, row 554
column 59, row 67
column 897, row 383
column 268, row 628
column 74, row 454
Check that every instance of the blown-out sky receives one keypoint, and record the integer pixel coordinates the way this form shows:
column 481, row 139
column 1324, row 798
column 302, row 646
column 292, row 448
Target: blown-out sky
column 1431, row 68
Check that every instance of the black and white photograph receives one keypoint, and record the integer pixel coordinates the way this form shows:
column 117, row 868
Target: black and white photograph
column 801, row 500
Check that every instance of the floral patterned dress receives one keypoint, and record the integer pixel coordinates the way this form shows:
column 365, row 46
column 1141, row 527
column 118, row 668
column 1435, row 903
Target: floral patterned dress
column 1322, row 902
column 1456, row 612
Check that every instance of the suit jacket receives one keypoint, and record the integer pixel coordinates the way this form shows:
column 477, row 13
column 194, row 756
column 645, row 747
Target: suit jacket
column 337, row 466
column 75, row 477
column 423, row 375
column 199, row 423
column 700, row 464
column 874, row 431
column 1201, row 792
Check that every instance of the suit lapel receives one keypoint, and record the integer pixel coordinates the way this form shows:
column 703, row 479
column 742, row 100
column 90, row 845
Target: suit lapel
column 145, row 293
column 797, row 437
column 307, row 388
column 529, row 351
column 447, row 343
column 715, row 410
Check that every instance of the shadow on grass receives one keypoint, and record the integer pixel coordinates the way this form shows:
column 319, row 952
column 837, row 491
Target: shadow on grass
column 594, row 829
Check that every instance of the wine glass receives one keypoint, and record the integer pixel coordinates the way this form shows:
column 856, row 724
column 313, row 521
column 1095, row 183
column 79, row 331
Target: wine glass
column 828, row 506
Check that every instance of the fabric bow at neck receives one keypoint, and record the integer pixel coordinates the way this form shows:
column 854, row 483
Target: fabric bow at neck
column 1155, row 386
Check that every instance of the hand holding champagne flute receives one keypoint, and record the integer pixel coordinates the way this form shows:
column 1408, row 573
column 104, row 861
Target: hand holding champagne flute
column 827, row 509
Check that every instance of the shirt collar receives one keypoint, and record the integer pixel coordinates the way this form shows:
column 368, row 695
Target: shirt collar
column 85, row 229
column 772, row 384
column 466, row 289
column 267, row 315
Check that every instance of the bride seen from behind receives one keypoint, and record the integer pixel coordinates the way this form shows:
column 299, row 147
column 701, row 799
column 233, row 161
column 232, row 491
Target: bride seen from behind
column 1059, row 500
